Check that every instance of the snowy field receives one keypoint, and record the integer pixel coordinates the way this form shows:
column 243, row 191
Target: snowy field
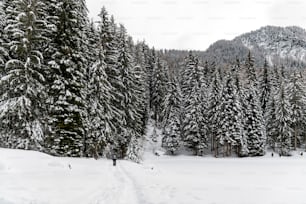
column 28, row 177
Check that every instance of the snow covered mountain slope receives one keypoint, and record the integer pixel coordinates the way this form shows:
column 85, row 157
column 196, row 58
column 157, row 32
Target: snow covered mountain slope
column 279, row 45
column 277, row 42
column 28, row 177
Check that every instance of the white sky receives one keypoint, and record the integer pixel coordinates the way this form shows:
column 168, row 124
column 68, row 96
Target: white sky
column 195, row 24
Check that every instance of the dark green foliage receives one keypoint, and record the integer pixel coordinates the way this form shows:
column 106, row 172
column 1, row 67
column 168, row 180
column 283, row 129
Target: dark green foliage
column 22, row 100
column 66, row 104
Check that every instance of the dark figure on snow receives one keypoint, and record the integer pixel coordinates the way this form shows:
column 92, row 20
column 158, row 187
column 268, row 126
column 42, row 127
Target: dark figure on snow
column 272, row 154
column 114, row 160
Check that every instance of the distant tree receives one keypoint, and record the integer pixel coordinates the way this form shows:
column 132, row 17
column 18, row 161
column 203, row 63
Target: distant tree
column 250, row 71
column 254, row 125
column 191, row 76
column 297, row 102
column 253, row 117
column 160, row 79
column 213, row 111
column 193, row 135
column 242, row 146
column 276, row 80
column 194, row 126
column 265, row 86
column 140, row 101
column 230, row 126
column 271, row 124
column 283, row 121
column 150, row 63
column 172, row 109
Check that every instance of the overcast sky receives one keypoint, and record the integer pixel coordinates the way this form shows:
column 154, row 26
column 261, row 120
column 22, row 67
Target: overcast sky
column 195, row 24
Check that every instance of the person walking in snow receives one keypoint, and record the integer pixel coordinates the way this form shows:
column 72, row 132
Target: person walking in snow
column 114, row 159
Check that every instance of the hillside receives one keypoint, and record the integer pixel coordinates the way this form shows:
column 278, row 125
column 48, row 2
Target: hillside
column 279, row 45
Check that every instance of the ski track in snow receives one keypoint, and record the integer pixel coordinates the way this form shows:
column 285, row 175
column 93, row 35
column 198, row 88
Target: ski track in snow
column 121, row 183
column 119, row 188
column 128, row 192
column 135, row 186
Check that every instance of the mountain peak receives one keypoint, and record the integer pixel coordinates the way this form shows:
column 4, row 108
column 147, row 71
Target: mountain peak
column 279, row 45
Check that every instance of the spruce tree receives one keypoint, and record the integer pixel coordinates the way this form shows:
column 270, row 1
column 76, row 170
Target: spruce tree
column 99, row 124
column 250, row 71
column 253, row 119
column 139, row 100
column 190, row 76
column 265, row 86
column 276, row 80
column 142, row 78
column 172, row 109
column 134, row 149
column 230, row 125
column 4, row 55
column 140, row 104
column 193, row 136
column 109, row 38
column 150, row 63
column 25, row 91
column 195, row 122
column 2, row 15
column 270, row 113
column 148, row 59
column 241, row 140
column 297, row 102
column 132, row 104
column 283, row 121
column 271, row 125
column 254, row 125
column 124, row 65
column 213, row 112
column 158, row 89
column 66, row 104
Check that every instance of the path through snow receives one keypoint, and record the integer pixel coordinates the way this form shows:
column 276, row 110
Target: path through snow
column 28, row 177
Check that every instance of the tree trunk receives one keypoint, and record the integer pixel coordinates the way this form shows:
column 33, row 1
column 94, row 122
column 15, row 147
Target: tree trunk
column 217, row 150
column 212, row 143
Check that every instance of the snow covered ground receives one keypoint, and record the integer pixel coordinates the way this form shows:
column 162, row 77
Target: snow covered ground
column 28, row 177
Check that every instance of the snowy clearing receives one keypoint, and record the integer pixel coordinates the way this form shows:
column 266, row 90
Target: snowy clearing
column 29, row 177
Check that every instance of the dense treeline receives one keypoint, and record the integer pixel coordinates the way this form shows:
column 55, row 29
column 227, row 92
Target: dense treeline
column 235, row 108
column 71, row 87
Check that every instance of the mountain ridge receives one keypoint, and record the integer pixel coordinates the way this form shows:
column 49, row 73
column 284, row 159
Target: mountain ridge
column 278, row 45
